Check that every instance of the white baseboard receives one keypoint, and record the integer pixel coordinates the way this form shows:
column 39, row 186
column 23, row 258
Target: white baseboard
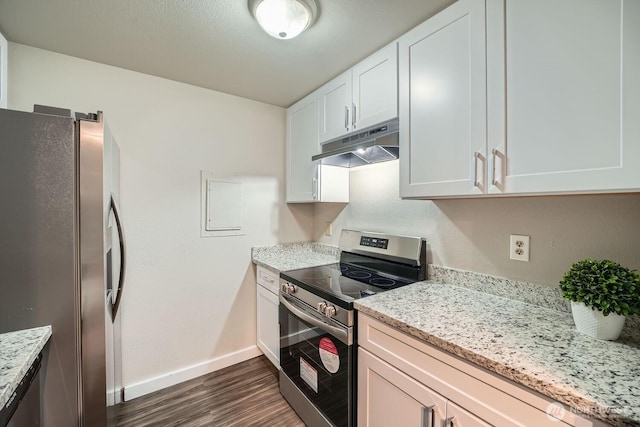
column 166, row 380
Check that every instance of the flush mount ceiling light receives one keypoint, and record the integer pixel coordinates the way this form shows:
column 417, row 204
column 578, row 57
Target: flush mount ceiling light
column 284, row 19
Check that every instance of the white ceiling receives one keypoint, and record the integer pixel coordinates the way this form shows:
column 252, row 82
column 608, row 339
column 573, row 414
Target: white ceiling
column 214, row 44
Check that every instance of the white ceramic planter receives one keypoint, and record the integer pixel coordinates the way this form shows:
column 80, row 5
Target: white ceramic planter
column 593, row 323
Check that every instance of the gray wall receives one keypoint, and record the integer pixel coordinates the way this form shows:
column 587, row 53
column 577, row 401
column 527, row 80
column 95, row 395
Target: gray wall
column 473, row 234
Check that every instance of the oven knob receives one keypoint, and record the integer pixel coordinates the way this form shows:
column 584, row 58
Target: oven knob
column 291, row 289
column 330, row 311
column 322, row 306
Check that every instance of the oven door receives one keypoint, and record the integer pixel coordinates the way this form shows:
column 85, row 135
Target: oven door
column 317, row 355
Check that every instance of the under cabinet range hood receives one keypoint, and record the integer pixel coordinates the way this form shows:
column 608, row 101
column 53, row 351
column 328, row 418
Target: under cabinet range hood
column 373, row 145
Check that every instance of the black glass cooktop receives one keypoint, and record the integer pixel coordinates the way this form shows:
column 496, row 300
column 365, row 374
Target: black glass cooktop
column 344, row 282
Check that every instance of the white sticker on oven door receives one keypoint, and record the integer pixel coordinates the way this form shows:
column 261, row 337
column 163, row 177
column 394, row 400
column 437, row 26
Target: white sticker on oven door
column 308, row 374
column 329, row 355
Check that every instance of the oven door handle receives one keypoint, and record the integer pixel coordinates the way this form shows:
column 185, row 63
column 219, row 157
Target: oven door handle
column 342, row 334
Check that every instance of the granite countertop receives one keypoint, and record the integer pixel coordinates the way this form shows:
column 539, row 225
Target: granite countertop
column 18, row 350
column 292, row 256
column 535, row 346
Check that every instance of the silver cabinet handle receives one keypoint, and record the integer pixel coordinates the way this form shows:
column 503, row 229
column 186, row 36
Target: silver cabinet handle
column 476, row 157
column 449, row 422
column 353, row 116
column 427, row 416
column 494, row 153
column 314, row 188
column 346, row 117
column 268, row 279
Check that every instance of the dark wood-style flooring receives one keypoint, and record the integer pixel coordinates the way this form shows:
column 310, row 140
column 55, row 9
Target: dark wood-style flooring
column 245, row 394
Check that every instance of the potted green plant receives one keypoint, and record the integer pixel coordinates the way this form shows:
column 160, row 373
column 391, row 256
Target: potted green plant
column 602, row 294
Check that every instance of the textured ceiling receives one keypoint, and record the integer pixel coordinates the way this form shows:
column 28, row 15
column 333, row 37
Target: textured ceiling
column 214, row 44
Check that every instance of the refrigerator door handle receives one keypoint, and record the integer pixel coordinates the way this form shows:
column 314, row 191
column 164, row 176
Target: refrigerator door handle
column 116, row 214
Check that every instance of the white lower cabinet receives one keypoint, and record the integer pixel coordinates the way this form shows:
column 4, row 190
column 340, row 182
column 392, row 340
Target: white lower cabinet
column 268, row 330
column 394, row 398
column 403, row 381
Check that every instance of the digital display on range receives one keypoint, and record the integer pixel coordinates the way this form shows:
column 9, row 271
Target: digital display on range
column 374, row 242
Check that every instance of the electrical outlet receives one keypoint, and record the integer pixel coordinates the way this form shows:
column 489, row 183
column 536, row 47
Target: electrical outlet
column 519, row 247
column 328, row 231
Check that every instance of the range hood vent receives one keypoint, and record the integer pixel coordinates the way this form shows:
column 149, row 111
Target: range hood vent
column 372, row 145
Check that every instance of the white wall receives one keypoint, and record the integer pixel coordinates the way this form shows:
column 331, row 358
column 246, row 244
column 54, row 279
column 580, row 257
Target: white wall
column 188, row 300
column 474, row 234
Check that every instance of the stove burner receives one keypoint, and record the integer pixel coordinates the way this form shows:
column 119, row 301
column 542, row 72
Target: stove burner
column 343, row 268
column 359, row 274
column 382, row 282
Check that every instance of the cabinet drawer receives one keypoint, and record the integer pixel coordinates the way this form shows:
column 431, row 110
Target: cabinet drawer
column 268, row 279
column 484, row 394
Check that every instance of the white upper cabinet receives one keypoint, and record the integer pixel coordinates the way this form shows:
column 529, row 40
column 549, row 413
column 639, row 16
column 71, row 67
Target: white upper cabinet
column 361, row 97
column 375, row 88
column 3, row 71
column 442, row 91
column 564, row 110
column 309, row 181
column 560, row 111
column 302, row 143
column 335, row 103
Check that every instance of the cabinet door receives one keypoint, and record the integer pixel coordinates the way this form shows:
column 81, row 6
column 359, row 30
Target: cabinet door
column 268, row 332
column 302, row 143
column 565, row 77
column 335, row 107
column 387, row 397
column 3, row 71
column 331, row 184
column 375, row 88
column 442, row 106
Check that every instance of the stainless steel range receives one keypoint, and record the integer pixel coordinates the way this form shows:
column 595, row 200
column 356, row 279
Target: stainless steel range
column 318, row 322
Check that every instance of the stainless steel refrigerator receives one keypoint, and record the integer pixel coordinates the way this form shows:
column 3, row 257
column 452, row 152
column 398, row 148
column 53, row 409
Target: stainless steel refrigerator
column 62, row 255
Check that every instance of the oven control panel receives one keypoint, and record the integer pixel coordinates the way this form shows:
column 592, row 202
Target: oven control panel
column 374, row 242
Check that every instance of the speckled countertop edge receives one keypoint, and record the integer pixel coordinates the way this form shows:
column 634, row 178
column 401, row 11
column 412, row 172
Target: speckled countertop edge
column 531, row 345
column 292, row 256
column 18, row 350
